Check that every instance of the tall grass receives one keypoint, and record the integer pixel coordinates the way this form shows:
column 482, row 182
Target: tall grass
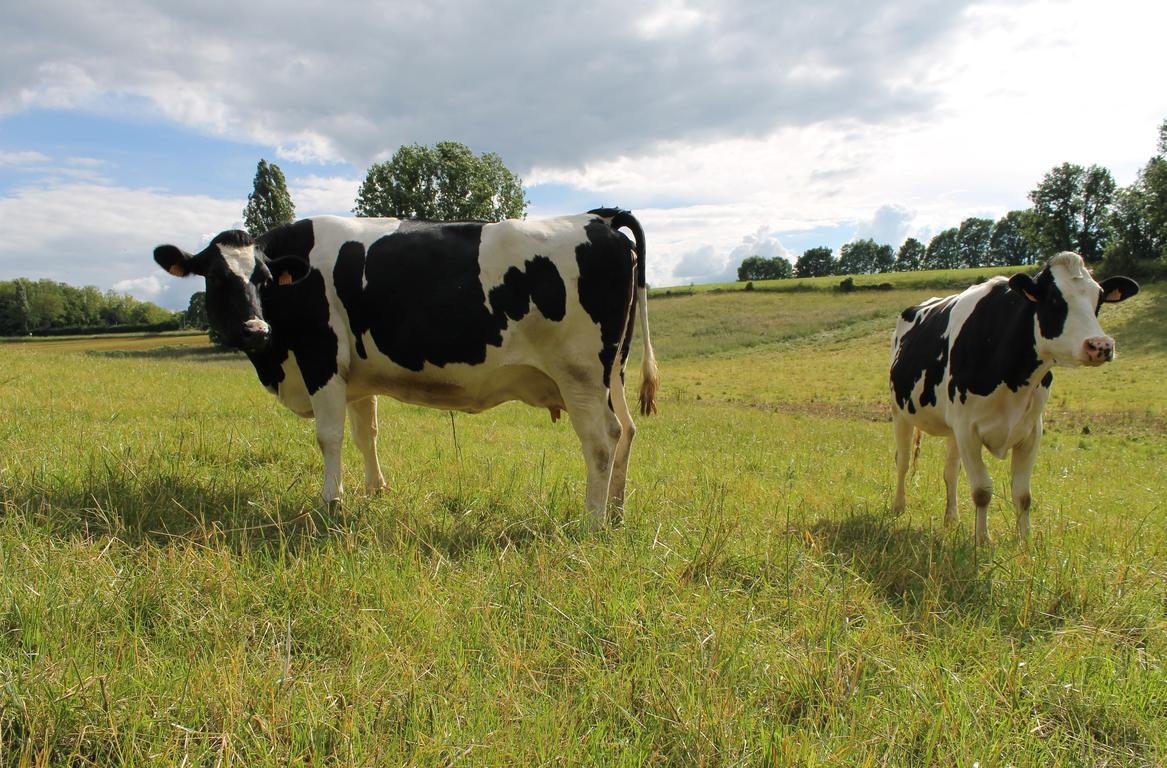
column 170, row 592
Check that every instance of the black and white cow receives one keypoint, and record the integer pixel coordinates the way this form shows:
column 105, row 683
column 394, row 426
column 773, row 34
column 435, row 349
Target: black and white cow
column 977, row 368
column 463, row 315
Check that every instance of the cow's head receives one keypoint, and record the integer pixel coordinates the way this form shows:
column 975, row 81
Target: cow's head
column 1067, row 299
column 234, row 271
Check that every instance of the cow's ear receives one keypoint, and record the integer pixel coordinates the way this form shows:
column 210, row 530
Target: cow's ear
column 288, row 270
column 1118, row 288
column 1024, row 284
column 178, row 262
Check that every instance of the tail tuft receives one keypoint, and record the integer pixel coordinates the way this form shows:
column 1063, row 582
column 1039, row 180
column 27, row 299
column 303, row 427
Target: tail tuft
column 649, row 383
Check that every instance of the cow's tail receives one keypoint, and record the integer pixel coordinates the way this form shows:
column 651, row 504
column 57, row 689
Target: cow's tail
column 917, row 435
column 649, row 376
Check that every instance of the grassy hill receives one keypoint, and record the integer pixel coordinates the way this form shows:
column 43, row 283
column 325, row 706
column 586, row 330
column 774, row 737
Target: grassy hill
column 171, row 594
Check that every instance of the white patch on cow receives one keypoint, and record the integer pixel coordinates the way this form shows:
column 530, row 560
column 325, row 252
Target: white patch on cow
column 240, row 259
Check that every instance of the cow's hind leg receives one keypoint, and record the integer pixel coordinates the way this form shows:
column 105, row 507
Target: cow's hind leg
column 1023, row 459
column 328, row 406
column 362, row 416
column 903, row 435
column 623, row 450
column 599, row 431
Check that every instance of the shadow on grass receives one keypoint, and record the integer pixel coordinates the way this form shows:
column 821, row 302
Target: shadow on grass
column 465, row 525
column 165, row 509
column 170, row 353
column 917, row 570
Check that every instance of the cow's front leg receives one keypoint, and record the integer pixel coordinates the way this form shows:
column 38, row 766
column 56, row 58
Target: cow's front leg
column 951, row 478
column 328, row 405
column 1023, row 459
column 362, row 417
column 969, row 445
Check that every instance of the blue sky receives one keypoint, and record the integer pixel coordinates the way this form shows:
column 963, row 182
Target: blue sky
column 730, row 128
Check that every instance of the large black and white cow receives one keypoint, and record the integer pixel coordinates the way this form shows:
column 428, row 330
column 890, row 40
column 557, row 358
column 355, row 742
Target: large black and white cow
column 976, row 368
column 464, row 315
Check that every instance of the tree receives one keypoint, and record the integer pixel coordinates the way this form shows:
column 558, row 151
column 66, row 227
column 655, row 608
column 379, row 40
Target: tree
column 195, row 315
column 910, row 257
column 863, row 257
column 815, row 262
column 1008, row 245
column 446, row 182
column 972, row 240
column 943, row 250
column 1071, row 210
column 269, row 204
column 1139, row 215
column 761, row 268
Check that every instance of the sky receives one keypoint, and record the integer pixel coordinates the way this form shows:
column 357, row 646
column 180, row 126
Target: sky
column 730, row 128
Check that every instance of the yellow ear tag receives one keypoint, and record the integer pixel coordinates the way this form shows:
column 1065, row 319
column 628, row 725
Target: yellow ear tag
column 1115, row 295
column 285, row 278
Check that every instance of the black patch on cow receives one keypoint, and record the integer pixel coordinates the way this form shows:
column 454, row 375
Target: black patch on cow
column 547, row 289
column 348, row 276
column 298, row 317
column 539, row 282
column 269, row 364
column 296, row 240
column 996, row 344
column 1047, row 381
column 511, row 297
column 1052, row 309
column 424, row 298
column 923, row 351
column 605, row 286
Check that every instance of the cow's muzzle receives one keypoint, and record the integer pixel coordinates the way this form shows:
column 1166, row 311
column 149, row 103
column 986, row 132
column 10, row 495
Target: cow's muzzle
column 1098, row 350
column 255, row 334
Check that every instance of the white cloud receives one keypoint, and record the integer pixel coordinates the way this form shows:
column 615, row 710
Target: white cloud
column 315, row 195
column 26, row 158
column 149, row 287
column 87, row 234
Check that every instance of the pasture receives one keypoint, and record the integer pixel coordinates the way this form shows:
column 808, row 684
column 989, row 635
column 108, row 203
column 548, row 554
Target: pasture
column 171, row 593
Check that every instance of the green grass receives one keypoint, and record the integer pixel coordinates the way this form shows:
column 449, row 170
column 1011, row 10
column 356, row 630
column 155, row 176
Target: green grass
column 170, row 594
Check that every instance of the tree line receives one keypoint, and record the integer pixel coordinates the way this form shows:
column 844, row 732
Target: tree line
column 1075, row 208
column 44, row 306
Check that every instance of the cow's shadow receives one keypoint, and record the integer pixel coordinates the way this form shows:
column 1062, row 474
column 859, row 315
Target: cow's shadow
column 160, row 510
column 462, row 525
column 188, row 353
column 915, row 569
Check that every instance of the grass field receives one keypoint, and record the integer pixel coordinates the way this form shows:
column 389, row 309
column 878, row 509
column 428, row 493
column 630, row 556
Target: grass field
column 170, row 594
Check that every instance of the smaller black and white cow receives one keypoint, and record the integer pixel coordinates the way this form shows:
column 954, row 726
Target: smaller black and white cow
column 461, row 315
column 976, row 368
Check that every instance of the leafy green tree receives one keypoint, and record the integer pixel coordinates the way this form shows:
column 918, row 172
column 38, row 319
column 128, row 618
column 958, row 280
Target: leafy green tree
column 910, row 256
column 972, row 240
column 195, row 315
column 446, row 182
column 863, row 257
column 1071, row 210
column 269, row 204
column 1008, row 245
column 943, row 250
column 1139, row 215
column 762, row 268
column 23, row 314
column 815, row 262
